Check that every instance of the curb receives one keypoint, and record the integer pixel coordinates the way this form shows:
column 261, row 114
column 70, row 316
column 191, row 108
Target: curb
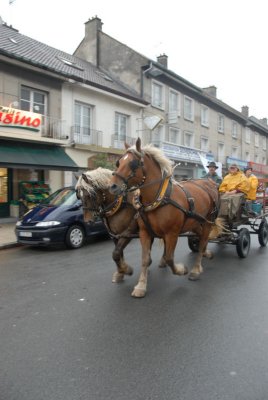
column 9, row 245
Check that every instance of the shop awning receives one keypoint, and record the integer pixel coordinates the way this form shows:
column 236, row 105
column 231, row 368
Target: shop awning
column 32, row 155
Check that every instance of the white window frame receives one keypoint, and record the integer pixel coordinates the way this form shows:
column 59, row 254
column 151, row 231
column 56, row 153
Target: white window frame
column 234, row 129
column 158, row 95
column 247, row 156
column 82, row 128
column 174, row 135
column 256, row 158
column 188, row 139
column 247, row 136
column 264, row 143
column 174, row 106
column 31, row 104
column 221, row 123
column 221, row 151
column 188, row 108
column 234, row 152
column 256, row 139
column 204, row 116
column 121, row 126
column 204, row 143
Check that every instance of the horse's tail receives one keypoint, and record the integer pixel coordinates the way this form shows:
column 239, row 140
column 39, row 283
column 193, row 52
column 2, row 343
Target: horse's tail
column 217, row 228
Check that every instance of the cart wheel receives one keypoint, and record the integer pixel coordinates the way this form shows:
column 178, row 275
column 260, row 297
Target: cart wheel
column 263, row 233
column 193, row 243
column 75, row 237
column 243, row 243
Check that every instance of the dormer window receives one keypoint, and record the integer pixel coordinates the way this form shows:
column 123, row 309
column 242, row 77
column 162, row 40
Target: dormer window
column 70, row 63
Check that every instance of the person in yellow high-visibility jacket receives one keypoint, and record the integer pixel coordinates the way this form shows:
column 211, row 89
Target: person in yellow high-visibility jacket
column 234, row 182
column 253, row 184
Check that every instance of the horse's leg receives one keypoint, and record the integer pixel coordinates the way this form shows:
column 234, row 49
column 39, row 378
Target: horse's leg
column 146, row 243
column 163, row 262
column 202, row 251
column 170, row 245
column 118, row 256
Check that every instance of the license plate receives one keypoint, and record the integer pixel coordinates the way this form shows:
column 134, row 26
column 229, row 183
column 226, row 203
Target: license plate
column 25, row 234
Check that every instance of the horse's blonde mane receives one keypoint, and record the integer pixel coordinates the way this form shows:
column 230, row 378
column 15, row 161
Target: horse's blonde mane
column 100, row 178
column 165, row 164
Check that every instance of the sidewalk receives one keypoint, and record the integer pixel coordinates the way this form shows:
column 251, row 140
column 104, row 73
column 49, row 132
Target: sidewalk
column 7, row 233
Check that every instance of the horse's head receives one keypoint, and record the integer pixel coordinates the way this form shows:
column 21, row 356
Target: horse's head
column 130, row 171
column 87, row 197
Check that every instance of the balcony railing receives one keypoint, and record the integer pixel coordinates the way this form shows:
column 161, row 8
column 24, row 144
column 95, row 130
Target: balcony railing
column 118, row 141
column 84, row 135
column 53, row 128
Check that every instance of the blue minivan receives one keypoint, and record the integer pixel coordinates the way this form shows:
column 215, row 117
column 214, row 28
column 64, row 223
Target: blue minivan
column 58, row 219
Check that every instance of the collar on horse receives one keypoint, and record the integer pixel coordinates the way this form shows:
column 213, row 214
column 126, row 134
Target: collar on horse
column 159, row 198
column 108, row 210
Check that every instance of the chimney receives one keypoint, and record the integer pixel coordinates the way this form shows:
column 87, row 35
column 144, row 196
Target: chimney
column 89, row 47
column 263, row 121
column 93, row 25
column 245, row 111
column 163, row 60
column 211, row 90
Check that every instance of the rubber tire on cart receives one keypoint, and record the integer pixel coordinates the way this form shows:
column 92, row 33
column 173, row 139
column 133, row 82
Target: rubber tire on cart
column 243, row 243
column 75, row 237
column 263, row 233
column 193, row 243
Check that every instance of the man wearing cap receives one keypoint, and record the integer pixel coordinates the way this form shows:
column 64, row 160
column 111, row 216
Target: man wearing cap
column 212, row 173
column 253, row 185
column 234, row 182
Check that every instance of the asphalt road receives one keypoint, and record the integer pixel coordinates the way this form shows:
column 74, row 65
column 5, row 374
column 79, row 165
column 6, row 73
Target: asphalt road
column 68, row 333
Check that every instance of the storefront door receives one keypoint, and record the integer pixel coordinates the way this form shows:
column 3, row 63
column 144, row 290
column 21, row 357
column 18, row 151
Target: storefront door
column 4, row 192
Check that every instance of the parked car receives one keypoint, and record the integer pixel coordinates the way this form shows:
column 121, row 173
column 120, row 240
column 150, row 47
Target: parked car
column 58, row 219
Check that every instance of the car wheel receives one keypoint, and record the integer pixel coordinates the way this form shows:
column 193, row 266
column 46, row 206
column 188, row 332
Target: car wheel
column 75, row 237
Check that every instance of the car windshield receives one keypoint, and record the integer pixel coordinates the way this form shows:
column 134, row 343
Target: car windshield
column 66, row 197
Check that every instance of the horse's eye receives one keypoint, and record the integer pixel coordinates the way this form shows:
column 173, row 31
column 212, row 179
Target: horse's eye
column 134, row 164
column 117, row 164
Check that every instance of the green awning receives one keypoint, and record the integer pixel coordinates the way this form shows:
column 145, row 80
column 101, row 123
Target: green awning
column 32, row 155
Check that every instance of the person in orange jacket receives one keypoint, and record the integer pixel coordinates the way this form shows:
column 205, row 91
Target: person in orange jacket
column 234, row 182
column 253, row 182
column 253, row 185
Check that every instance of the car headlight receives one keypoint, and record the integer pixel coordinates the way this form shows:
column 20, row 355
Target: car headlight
column 48, row 223
column 18, row 223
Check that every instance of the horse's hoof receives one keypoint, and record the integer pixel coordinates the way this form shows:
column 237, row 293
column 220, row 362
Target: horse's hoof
column 162, row 265
column 129, row 271
column 182, row 270
column 117, row 277
column 193, row 276
column 209, row 255
column 138, row 293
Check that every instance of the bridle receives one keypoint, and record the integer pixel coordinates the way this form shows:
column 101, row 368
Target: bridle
column 100, row 210
column 134, row 165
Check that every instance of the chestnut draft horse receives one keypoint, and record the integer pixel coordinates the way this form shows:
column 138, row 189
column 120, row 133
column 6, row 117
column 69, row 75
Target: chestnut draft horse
column 166, row 208
column 92, row 188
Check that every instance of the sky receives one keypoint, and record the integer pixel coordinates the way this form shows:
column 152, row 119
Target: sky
column 208, row 42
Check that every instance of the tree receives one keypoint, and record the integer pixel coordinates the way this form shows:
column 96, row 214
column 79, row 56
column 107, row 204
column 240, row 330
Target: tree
column 102, row 160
